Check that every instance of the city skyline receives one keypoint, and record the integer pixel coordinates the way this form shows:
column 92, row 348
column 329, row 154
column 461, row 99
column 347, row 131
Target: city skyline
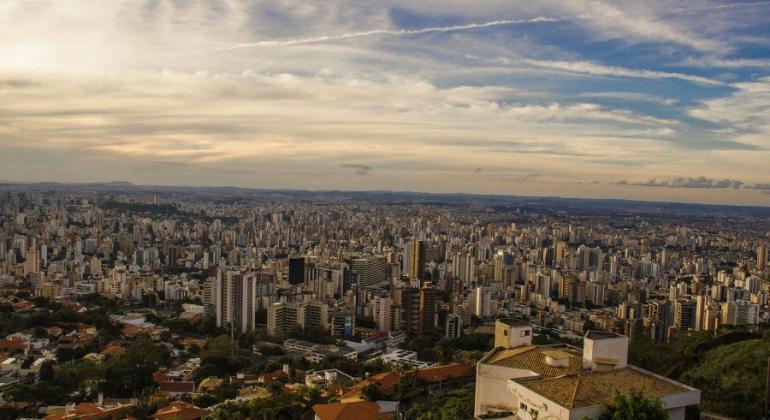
column 572, row 99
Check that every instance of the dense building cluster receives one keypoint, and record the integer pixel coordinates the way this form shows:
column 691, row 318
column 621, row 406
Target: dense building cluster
column 316, row 291
column 414, row 268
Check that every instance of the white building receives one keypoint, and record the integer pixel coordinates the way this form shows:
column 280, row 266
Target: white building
column 518, row 380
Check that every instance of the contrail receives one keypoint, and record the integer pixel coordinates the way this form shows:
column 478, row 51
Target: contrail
column 718, row 7
column 299, row 41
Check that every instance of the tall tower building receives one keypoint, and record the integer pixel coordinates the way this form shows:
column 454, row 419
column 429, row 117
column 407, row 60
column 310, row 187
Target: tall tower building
column 684, row 314
column 700, row 312
column 235, row 295
column 417, row 259
column 410, row 310
column 382, row 313
column 296, row 270
column 427, row 308
column 762, row 257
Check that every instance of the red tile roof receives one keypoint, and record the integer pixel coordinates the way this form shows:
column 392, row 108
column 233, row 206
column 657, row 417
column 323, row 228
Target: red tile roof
column 362, row 410
column 180, row 410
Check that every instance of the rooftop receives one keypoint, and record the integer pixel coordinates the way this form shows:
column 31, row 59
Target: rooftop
column 588, row 389
column 601, row 335
column 514, row 322
column 534, row 358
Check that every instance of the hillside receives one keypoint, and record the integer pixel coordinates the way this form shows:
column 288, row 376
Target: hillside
column 730, row 370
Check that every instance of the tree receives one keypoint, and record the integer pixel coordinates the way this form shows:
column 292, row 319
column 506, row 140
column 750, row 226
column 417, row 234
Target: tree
column 372, row 392
column 46, row 372
column 130, row 372
column 455, row 404
column 634, row 405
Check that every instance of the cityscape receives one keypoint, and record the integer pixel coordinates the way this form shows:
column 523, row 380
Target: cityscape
column 394, row 209
column 190, row 302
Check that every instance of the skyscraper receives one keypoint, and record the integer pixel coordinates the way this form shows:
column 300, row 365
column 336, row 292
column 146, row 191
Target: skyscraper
column 235, row 295
column 762, row 257
column 684, row 314
column 296, row 270
column 410, row 310
column 427, row 308
column 417, row 259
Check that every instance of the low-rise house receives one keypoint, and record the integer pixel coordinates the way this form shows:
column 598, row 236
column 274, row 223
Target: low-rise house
column 89, row 411
column 518, row 380
column 361, row 410
column 180, row 410
column 324, row 378
column 314, row 352
column 177, row 388
column 209, row 384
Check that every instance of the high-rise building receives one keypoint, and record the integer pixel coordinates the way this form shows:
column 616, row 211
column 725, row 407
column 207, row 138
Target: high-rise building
column 382, row 313
column 762, row 257
column 427, row 308
column 296, row 270
column 454, row 326
column 740, row 312
column 700, row 312
column 343, row 322
column 410, row 310
column 371, row 270
column 684, row 314
column 282, row 317
column 235, row 296
column 417, row 259
column 573, row 290
column 481, row 300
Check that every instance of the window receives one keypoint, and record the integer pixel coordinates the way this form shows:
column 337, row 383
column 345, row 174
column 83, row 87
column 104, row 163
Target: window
column 525, row 333
column 505, row 333
column 523, row 406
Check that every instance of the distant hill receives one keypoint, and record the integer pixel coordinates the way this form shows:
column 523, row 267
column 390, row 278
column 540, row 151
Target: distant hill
column 577, row 206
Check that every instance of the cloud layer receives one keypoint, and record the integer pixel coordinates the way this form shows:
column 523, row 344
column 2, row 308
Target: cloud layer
column 495, row 97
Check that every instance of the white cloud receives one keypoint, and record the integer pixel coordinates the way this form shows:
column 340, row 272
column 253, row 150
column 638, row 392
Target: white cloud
column 585, row 67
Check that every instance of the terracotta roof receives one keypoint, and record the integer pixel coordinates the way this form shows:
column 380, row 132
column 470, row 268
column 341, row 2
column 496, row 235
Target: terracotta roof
column 209, row 383
column 595, row 388
column 129, row 330
column 362, row 410
column 180, row 410
column 113, row 349
column 533, row 358
column 12, row 345
column 178, row 386
column 445, row 373
column 385, row 381
column 90, row 411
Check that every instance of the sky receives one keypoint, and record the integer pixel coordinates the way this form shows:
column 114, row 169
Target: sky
column 651, row 100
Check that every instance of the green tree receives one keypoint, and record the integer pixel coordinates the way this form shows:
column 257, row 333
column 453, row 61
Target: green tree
column 130, row 372
column 46, row 373
column 634, row 405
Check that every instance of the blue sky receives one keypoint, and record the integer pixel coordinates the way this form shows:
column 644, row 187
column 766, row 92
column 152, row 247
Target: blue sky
column 645, row 100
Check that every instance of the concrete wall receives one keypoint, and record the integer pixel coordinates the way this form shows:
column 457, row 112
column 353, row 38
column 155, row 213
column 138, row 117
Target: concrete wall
column 610, row 348
column 492, row 387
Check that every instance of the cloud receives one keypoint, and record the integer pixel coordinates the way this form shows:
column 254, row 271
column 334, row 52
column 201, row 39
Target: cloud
column 397, row 32
column 358, row 169
column 528, row 177
column 761, row 187
column 734, row 63
column 687, row 182
column 585, row 67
